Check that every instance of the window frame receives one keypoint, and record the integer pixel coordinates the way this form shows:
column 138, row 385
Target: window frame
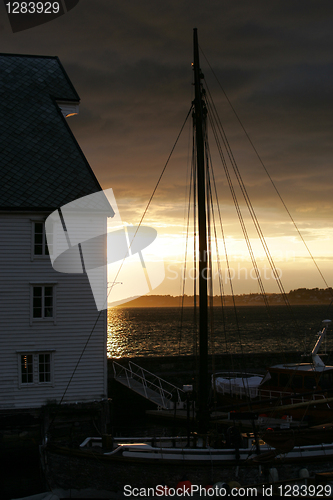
column 45, row 371
column 45, row 255
column 36, row 363
column 27, row 374
column 43, row 318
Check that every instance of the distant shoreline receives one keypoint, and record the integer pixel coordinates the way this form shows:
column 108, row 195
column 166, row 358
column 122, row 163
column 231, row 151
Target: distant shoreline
column 301, row 296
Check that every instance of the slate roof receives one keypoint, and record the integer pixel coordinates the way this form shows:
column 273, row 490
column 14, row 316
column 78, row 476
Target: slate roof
column 41, row 165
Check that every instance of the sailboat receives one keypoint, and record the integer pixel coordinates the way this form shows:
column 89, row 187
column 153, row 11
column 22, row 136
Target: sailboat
column 148, row 462
column 297, row 391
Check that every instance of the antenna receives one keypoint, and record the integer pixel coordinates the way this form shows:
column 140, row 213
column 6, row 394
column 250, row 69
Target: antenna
column 317, row 361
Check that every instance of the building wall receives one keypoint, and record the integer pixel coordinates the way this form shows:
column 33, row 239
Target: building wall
column 63, row 336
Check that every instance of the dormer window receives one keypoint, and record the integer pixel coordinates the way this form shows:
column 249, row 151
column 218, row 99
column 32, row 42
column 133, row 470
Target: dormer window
column 68, row 108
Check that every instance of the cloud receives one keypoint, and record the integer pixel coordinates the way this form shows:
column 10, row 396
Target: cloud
column 130, row 63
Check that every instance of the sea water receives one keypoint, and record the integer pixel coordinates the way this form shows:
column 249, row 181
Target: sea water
column 164, row 331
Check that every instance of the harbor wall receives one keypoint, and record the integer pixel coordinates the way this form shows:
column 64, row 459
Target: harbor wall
column 177, row 368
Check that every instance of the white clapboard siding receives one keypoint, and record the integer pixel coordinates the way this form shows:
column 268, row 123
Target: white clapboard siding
column 64, row 336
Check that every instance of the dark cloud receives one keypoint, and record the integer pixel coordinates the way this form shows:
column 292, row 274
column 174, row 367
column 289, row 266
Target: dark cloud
column 130, row 63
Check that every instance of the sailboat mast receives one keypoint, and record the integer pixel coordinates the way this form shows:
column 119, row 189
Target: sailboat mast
column 200, row 122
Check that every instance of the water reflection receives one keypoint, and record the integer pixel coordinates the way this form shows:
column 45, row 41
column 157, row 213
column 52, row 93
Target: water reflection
column 143, row 332
column 156, row 331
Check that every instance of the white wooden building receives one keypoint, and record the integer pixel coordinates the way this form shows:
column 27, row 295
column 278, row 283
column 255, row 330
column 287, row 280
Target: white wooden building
column 46, row 317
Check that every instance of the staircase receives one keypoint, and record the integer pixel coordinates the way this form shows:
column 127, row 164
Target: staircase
column 162, row 393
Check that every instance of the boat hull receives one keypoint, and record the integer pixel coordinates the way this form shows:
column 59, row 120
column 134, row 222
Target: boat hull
column 76, row 468
column 315, row 414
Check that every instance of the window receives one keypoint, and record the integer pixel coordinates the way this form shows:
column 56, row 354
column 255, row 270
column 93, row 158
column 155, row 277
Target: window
column 40, row 243
column 44, row 367
column 35, row 368
column 284, row 381
column 42, row 302
column 26, row 369
column 297, row 382
column 310, row 382
column 326, row 380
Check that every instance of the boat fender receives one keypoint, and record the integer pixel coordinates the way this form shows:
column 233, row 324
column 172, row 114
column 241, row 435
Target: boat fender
column 184, row 485
column 273, row 475
column 222, row 486
column 219, row 485
column 200, row 442
column 303, row 474
column 226, row 487
column 234, row 485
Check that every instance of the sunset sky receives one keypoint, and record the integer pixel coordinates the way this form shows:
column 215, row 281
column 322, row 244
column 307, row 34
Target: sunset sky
column 130, row 62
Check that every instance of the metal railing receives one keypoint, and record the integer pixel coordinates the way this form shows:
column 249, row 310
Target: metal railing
column 270, row 394
column 168, row 394
column 229, row 387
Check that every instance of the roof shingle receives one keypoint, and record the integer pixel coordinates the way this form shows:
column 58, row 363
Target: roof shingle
column 41, row 165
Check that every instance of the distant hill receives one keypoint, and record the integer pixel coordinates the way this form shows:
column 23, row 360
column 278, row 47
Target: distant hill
column 301, row 296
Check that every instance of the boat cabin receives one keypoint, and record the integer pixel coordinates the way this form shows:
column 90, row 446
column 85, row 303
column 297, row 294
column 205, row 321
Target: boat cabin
column 297, row 378
column 294, row 378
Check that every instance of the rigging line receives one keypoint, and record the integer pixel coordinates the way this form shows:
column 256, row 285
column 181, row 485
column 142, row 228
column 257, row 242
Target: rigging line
column 244, row 231
column 234, row 200
column 239, row 334
column 195, row 253
column 210, row 263
column 154, row 190
column 268, row 174
column 220, row 281
column 79, row 360
column 146, row 209
column 210, row 209
column 258, row 277
column 164, row 168
column 260, row 234
column 221, row 287
column 249, row 246
column 254, row 219
column 239, row 213
column 187, row 195
column 209, row 235
column 227, row 261
column 185, row 261
column 210, row 202
column 74, row 371
column 226, row 256
column 248, row 203
column 216, row 117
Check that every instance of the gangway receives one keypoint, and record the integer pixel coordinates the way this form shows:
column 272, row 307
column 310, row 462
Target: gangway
column 150, row 386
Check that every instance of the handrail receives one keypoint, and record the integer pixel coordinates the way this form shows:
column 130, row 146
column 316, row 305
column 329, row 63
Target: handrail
column 173, row 388
column 265, row 393
column 246, row 390
column 132, row 373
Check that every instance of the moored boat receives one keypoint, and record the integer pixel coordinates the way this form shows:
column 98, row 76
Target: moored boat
column 298, row 391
